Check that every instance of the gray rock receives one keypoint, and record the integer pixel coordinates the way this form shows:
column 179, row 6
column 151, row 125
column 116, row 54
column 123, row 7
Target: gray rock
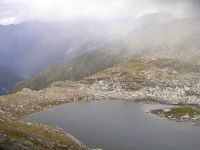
column 3, row 137
column 185, row 117
column 166, row 110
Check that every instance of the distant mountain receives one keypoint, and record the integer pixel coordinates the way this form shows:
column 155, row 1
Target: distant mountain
column 74, row 69
column 33, row 46
column 177, row 38
column 7, row 80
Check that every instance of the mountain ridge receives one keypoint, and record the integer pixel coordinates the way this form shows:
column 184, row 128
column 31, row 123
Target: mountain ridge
column 74, row 69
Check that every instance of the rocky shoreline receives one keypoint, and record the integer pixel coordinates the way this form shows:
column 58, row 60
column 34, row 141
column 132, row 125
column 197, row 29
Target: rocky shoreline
column 16, row 132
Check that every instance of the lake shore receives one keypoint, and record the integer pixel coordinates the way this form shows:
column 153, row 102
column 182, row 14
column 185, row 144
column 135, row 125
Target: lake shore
column 16, row 106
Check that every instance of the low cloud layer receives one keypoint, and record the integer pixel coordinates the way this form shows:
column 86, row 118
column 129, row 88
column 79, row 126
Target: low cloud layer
column 17, row 11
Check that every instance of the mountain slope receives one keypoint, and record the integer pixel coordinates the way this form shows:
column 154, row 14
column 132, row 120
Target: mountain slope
column 177, row 39
column 74, row 69
column 7, row 80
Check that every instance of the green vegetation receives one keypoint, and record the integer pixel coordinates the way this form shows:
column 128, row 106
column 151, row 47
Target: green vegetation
column 75, row 69
column 134, row 67
column 34, row 136
column 177, row 112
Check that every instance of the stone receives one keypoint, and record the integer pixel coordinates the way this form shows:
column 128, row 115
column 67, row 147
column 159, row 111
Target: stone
column 174, row 72
column 185, row 117
column 3, row 137
column 186, row 88
column 2, row 112
column 166, row 110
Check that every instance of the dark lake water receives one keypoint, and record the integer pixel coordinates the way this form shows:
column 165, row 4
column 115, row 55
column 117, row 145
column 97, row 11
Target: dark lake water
column 119, row 125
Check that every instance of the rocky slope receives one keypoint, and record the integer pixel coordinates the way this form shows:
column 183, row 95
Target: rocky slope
column 163, row 80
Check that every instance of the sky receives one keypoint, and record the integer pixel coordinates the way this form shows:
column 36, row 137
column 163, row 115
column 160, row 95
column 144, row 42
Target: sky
column 17, row 11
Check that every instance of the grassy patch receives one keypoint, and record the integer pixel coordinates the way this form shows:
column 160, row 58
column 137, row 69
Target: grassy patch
column 134, row 68
column 177, row 112
column 137, row 68
column 46, row 133
column 40, row 136
column 11, row 130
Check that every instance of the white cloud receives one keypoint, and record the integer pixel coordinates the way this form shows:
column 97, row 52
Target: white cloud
column 14, row 11
column 8, row 20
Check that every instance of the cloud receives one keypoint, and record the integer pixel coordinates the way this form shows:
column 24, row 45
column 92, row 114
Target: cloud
column 15, row 11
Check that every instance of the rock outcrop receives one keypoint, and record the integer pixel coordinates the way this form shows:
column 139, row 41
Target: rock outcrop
column 163, row 80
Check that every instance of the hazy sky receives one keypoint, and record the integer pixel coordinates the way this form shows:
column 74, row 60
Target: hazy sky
column 16, row 11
